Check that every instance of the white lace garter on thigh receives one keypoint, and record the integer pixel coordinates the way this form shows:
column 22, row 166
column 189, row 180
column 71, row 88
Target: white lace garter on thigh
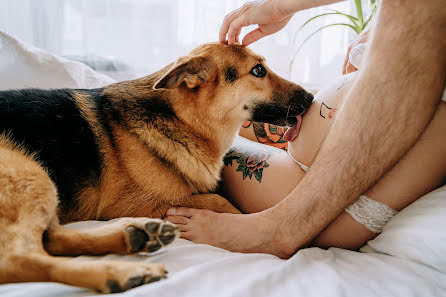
column 370, row 213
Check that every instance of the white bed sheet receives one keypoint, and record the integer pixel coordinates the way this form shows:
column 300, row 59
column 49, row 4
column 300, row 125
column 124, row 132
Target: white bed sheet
column 197, row 270
column 407, row 259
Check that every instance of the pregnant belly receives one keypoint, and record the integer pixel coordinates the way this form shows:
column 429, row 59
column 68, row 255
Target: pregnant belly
column 307, row 138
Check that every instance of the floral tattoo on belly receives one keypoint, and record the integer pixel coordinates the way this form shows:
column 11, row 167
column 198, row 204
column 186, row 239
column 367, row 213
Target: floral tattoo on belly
column 249, row 163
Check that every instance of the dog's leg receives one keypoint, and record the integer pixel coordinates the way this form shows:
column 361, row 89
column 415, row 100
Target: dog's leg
column 212, row 202
column 103, row 276
column 123, row 236
column 28, row 206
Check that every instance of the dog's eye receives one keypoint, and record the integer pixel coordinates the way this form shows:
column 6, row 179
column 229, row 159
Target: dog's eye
column 258, row 71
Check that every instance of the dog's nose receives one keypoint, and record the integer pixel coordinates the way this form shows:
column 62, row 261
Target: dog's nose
column 309, row 97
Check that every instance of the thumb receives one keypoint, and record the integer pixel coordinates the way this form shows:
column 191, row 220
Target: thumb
column 253, row 36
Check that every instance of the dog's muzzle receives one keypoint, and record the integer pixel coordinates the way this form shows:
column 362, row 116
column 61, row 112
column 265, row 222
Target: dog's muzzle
column 298, row 105
column 283, row 112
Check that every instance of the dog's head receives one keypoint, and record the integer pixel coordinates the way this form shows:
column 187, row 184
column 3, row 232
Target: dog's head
column 233, row 84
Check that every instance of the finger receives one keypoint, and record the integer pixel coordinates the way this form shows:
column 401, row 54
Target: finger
column 253, row 36
column 179, row 220
column 237, row 36
column 225, row 26
column 181, row 211
column 350, row 68
column 235, row 28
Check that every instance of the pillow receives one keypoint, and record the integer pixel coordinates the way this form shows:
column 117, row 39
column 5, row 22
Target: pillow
column 417, row 233
column 25, row 66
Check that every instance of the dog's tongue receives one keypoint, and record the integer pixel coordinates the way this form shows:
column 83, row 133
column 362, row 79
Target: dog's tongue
column 293, row 131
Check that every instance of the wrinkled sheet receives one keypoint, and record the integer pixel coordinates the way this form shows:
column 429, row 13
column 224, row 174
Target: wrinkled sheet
column 201, row 271
column 407, row 259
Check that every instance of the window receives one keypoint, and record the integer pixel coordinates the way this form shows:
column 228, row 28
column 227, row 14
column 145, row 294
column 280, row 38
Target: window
column 129, row 38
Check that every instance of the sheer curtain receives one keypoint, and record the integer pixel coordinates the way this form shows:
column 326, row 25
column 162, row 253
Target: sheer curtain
column 128, row 38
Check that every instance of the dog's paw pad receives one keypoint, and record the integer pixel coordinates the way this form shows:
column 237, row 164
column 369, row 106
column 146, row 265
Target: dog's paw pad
column 135, row 281
column 168, row 233
column 168, row 228
column 152, row 227
column 149, row 235
column 114, row 287
column 137, row 238
column 153, row 279
column 153, row 246
column 161, row 234
column 167, row 239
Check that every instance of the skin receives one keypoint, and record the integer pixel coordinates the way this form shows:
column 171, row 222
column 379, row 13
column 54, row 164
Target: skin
column 397, row 77
column 280, row 174
column 266, row 133
column 270, row 16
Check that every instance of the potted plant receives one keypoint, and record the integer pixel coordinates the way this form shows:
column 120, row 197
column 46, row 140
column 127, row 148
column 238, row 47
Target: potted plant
column 358, row 23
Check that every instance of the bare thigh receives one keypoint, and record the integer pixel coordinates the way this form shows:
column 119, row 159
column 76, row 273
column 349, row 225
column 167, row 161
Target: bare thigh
column 258, row 176
column 421, row 170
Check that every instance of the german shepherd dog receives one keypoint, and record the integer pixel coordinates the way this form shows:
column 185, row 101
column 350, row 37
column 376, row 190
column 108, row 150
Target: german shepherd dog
column 131, row 149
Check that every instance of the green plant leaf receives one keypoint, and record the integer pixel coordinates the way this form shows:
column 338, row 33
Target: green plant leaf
column 357, row 24
column 317, row 16
column 335, row 12
column 373, row 9
column 357, row 30
column 359, row 12
column 352, row 18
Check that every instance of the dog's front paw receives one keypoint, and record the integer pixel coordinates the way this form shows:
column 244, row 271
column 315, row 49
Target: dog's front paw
column 149, row 235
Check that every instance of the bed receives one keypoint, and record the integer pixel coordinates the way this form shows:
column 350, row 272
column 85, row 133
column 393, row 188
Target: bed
column 407, row 259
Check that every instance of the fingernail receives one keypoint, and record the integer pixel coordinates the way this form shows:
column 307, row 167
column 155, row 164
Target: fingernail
column 171, row 211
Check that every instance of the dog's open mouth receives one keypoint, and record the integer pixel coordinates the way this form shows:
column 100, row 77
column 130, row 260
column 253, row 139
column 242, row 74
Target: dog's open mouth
column 295, row 120
column 278, row 115
column 289, row 115
column 294, row 130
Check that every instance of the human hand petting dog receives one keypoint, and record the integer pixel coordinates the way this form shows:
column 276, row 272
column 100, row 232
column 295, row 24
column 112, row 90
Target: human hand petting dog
column 270, row 15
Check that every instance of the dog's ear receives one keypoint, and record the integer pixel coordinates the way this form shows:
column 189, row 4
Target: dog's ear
column 190, row 71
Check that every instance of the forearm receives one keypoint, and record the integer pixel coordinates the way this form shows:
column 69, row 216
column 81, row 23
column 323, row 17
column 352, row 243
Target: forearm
column 370, row 134
column 292, row 6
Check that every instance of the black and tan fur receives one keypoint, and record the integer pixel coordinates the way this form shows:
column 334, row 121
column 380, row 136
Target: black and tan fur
column 131, row 149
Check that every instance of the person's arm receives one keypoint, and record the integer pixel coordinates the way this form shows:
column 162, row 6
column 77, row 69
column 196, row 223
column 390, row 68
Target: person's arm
column 392, row 100
column 270, row 16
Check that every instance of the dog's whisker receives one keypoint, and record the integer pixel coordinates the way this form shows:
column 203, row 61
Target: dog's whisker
column 288, row 112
